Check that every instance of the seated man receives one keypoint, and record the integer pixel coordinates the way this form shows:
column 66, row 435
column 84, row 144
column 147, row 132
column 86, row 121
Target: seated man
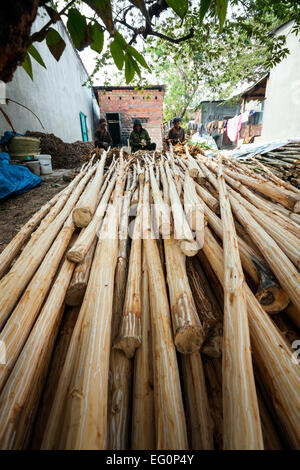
column 139, row 138
column 102, row 137
column 176, row 133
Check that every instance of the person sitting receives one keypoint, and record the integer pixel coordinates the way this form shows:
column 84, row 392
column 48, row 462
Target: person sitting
column 102, row 137
column 139, row 138
column 176, row 133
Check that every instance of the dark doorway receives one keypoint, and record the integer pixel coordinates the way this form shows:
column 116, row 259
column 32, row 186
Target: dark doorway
column 114, row 128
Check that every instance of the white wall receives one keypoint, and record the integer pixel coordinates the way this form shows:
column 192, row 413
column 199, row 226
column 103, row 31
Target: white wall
column 282, row 105
column 56, row 95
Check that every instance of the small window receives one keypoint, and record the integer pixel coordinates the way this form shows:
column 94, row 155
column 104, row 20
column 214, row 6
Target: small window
column 120, row 97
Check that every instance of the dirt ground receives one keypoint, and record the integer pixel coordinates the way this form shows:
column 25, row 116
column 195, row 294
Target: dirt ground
column 16, row 211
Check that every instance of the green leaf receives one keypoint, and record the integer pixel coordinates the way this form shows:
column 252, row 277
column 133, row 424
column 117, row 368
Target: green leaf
column 132, row 51
column 120, row 40
column 221, row 11
column 36, row 55
column 27, row 65
column 117, row 54
column 136, row 67
column 76, row 25
column 179, row 6
column 205, row 4
column 129, row 68
column 55, row 43
column 97, row 37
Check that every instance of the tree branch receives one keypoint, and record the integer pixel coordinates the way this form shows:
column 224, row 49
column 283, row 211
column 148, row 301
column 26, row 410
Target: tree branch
column 151, row 32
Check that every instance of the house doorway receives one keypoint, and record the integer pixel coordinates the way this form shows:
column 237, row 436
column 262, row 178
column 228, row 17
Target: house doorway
column 114, row 127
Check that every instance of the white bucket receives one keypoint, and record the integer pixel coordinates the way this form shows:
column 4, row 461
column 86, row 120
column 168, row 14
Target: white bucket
column 46, row 164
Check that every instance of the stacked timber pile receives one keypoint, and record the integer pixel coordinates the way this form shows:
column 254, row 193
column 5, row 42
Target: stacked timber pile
column 169, row 329
column 283, row 162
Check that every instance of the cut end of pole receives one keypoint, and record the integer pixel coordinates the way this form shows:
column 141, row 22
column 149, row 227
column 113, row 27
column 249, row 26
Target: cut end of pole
column 189, row 339
column 128, row 345
column 81, row 217
column 189, row 248
column 273, row 299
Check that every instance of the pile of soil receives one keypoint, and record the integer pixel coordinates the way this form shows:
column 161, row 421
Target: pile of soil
column 64, row 155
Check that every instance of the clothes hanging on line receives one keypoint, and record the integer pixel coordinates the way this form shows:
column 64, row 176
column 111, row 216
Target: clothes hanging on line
column 233, row 127
column 245, row 117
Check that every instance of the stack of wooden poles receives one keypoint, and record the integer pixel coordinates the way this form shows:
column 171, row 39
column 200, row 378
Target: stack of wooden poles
column 153, row 304
column 284, row 162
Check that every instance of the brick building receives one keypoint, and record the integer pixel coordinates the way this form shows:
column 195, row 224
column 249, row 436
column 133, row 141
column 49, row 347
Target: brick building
column 121, row 105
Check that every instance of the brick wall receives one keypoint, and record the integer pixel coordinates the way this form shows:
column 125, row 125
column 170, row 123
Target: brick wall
column 132, row 104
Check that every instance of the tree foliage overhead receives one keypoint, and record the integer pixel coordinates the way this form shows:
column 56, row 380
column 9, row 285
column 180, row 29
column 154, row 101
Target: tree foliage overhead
column 213, row 63
column 113, row 28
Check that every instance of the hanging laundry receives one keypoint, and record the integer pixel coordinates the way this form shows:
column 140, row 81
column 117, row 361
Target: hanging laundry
column 245, row 117
column 220, row 127
column 233, row 127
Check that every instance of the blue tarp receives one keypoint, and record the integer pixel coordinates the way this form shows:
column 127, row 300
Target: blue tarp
column 7, row 136
column 15, row 179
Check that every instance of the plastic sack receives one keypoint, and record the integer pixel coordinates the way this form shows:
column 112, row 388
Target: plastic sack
column 15, row 179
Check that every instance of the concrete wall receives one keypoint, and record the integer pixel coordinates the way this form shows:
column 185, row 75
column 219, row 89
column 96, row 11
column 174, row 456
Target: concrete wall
column 133, row 104
column 56, row 95
column 282, row 105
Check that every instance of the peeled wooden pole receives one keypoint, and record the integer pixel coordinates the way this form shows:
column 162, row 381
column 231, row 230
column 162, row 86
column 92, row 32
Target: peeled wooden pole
column 79, row 250
column 288, row 199
column 21, row 320
column 120, row 368
column 275, row 178
column 87, row 414
column 31, row 362
column 79, row 281
column 194, row 209
column 265, row 206
column 15, row 245
column 272, row 355
column 143, row 417
column 182, row 231
column 271, row 295
column 161, row 208
column 199, row 419
column 12, row 285
column 188, row 333
column 169, row 411
column 288, row 242
column 84, row 210
column 241, row 422
column 280, row 264
column 55, row 210
column 129, row 338
column 55, row 369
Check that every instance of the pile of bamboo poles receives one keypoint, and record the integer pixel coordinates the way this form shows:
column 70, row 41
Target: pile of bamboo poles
column 283, row 162
column 153, row 304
